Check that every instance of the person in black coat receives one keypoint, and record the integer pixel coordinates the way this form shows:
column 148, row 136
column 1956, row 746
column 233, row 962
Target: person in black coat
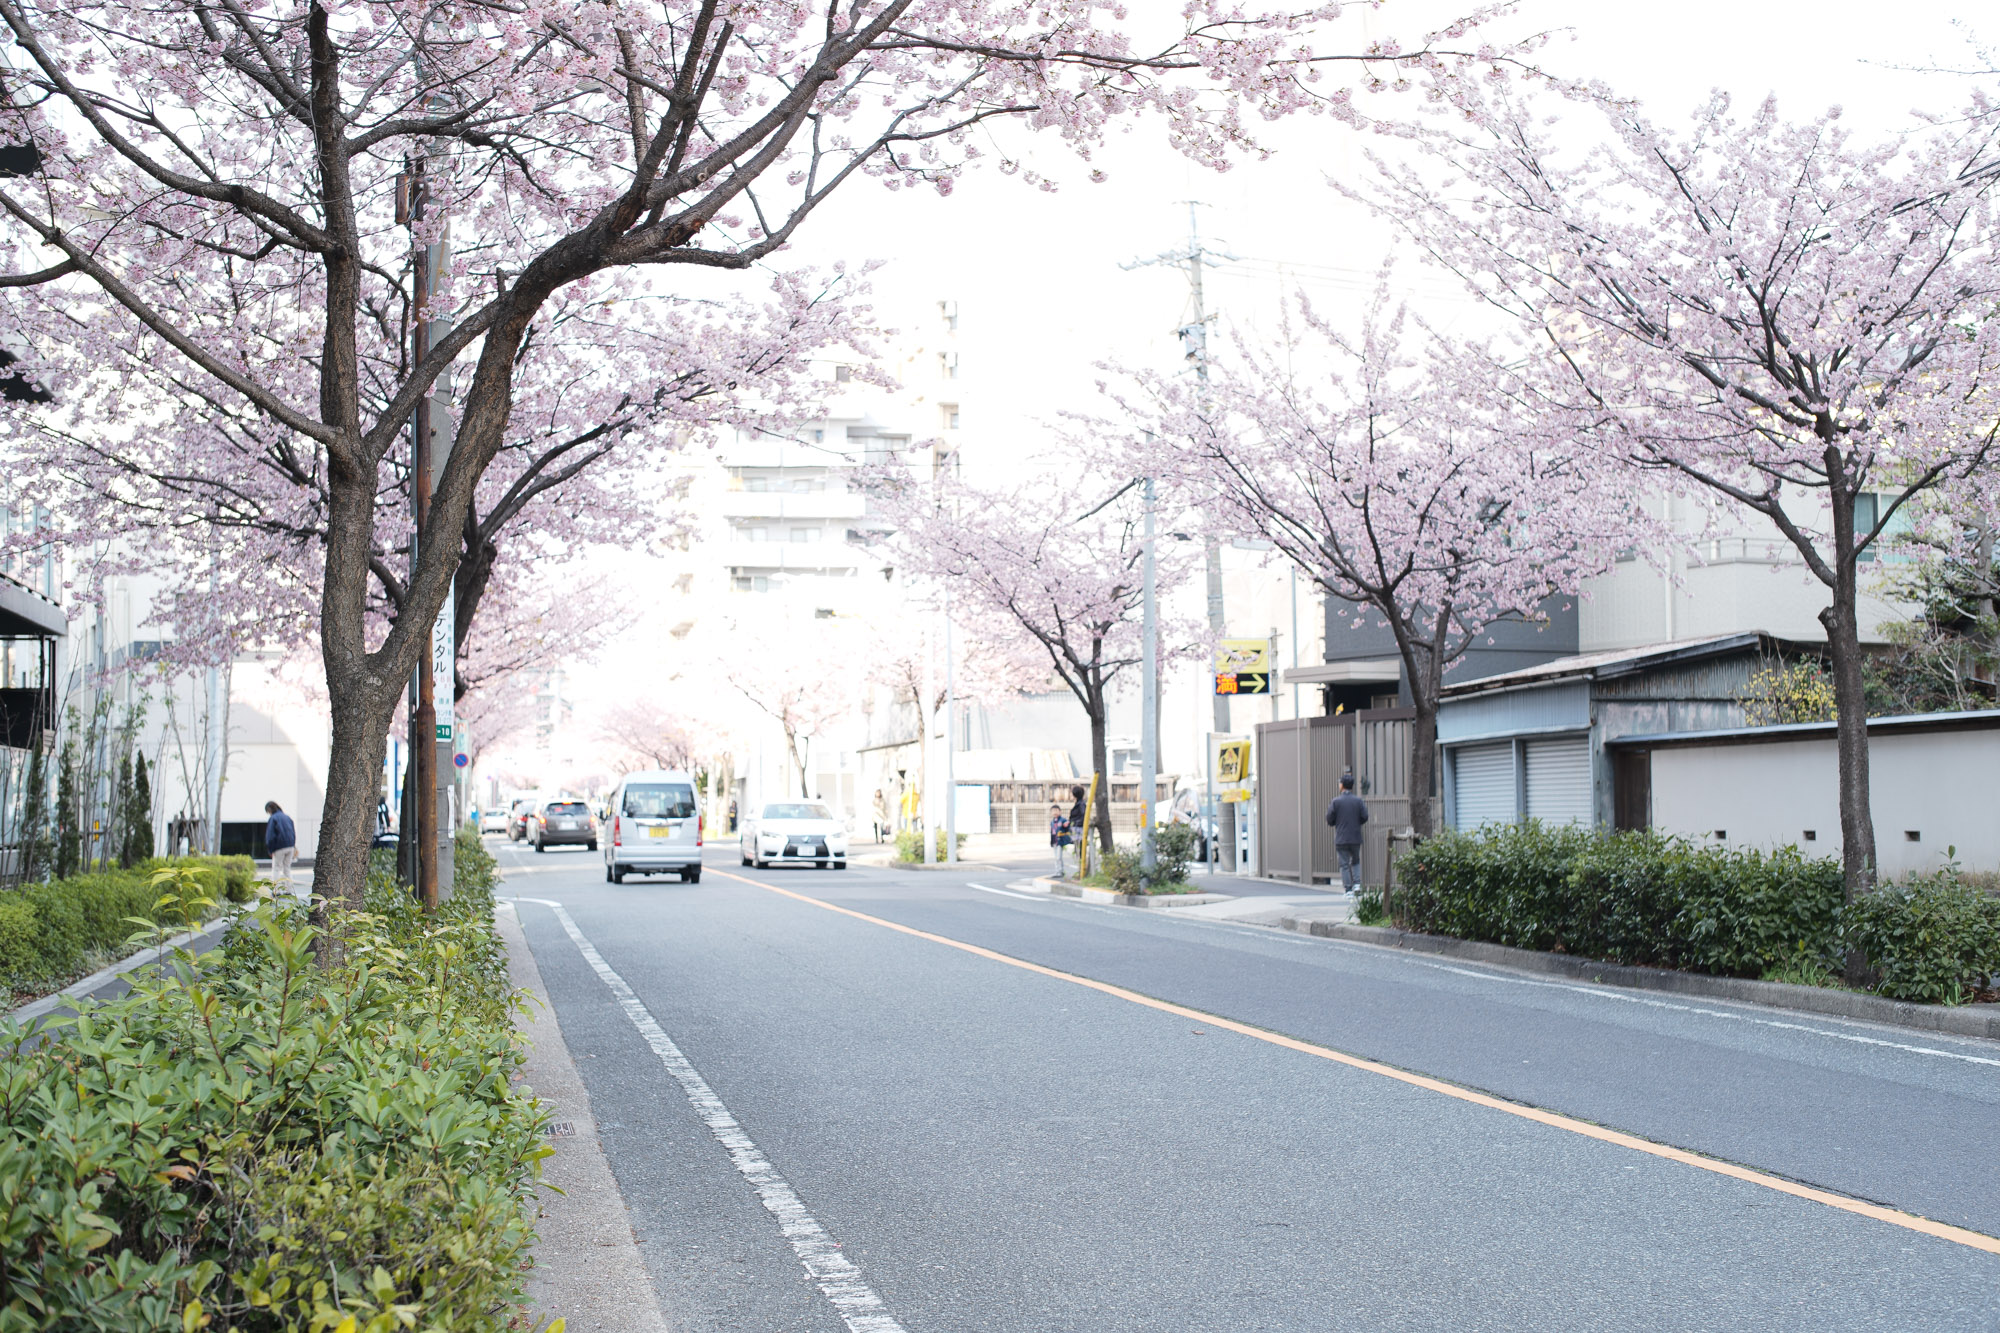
column 1346, row 814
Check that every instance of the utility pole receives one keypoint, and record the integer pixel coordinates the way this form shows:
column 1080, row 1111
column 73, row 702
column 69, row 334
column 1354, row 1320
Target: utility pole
column 926, row 804
column 950, row 742
column 1149, row 704
column 1194, row 346
column 431, row 718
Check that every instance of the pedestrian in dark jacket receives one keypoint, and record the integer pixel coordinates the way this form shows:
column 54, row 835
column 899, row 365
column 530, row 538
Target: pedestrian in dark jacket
column 1079, row 820
column 1347, row 813
column 281, row 840
column 1059, row 837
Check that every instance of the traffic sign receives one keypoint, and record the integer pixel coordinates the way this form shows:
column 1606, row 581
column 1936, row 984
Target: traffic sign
column 444, row 731
column 1233, row 657
column 1242, row 682
column 461, row 760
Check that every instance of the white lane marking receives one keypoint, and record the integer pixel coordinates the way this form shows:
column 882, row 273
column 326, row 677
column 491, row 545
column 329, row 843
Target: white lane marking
column 1603, row 993
column 1008, row 893
column 857, row 1304
column 1597, row 992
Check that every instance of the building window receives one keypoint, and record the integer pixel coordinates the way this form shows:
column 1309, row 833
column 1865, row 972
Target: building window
column 948, row 312
column 1867, row 513
column 949, row 413
column 805, row 534
column 757, row 534
column 841, row 375
column 756, row 483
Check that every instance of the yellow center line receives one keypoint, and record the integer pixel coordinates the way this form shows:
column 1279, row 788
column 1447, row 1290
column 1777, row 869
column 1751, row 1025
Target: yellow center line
column 1555, row 1120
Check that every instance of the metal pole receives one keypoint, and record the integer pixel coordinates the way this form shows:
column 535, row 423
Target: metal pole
column 1149, row 719
column 950, row 743
column 925, row 810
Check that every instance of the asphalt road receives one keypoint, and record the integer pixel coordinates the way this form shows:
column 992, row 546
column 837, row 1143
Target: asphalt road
column 820, row 1122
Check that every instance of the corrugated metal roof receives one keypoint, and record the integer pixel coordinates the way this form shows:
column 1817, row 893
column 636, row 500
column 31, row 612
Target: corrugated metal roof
column 1617, row 662
column 1977, row 720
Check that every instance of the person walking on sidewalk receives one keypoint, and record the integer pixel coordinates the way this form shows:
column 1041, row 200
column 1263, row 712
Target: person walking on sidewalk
column 281, row 840
column 1347, row 813
column 1060, row 837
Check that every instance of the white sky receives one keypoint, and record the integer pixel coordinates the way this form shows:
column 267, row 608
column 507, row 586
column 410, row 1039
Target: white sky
column 1038, row 278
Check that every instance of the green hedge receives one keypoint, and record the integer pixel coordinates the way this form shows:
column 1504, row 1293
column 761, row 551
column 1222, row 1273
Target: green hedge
column 50, row 933
column 257, row 1144
column 1650, row 900
column 1934, row 939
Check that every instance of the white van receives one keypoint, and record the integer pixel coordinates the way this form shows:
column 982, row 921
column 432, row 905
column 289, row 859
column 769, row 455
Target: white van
column 652, row 826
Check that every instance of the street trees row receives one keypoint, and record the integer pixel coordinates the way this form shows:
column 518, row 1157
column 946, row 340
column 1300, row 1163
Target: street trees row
column 222, row 198
column 1759, row 314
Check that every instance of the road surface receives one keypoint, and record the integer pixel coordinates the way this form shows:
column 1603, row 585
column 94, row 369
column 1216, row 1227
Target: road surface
column 878, row 1100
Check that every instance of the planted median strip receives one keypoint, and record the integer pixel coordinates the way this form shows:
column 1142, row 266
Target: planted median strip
column 263, row 1140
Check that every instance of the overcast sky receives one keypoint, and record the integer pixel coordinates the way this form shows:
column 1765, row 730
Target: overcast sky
column 1038, row 277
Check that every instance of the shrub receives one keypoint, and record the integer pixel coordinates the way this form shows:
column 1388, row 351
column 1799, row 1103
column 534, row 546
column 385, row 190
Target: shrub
column 1934, row 939
column 1173, row 852
column 52, row 933
column 1119, row 869
column 259, row 1145
column 1640, row 897
column 1368, row 909
column 910, row 846
column 1647, row 899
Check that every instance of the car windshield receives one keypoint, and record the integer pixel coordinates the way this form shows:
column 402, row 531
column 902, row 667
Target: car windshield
column 659, row 800
column 796, row 810
column 568, row 808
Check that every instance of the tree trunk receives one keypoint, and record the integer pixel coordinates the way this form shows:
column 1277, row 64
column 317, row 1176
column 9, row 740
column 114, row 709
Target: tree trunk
column 1100, row 762
column 1423, row 763
column 353, row 779
column 1857, row 821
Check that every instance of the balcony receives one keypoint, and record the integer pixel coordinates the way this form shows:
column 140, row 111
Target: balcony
column 791, row 504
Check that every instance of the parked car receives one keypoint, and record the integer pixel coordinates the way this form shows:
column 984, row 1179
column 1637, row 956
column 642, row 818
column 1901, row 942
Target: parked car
column 654, row 827
column 494, row 820
column 1185, row 808
column 794, row 833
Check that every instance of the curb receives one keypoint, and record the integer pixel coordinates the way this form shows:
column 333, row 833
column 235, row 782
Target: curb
column 587, row 1266
column 150, row 956
column 1156, row 901
column 1970, row 1020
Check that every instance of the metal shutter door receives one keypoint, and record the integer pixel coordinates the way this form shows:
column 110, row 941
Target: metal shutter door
column 1483, row 785
column 1559, row 780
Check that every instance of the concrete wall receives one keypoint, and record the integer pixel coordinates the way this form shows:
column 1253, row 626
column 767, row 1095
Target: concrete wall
column 1938, row 785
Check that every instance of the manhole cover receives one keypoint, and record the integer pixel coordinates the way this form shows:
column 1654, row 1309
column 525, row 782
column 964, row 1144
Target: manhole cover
column 560, row 1129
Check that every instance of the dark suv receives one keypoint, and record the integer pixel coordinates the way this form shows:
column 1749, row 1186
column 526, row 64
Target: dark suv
column 562, row 821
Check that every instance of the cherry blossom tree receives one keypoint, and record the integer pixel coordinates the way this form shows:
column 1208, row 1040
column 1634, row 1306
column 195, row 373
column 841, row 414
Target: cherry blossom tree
column 1021, row 565
column 225, row 192
column 647, row 733
column 805, row 689
column 1388, row 469
column 1766, row 311
column 905, row 657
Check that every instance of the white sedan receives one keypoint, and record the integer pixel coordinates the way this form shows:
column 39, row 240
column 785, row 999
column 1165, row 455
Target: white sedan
column 794, row 833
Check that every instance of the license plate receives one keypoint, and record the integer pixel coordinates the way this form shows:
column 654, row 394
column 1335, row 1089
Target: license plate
column 565, row 823
column 806, row 849
column 659, row 833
